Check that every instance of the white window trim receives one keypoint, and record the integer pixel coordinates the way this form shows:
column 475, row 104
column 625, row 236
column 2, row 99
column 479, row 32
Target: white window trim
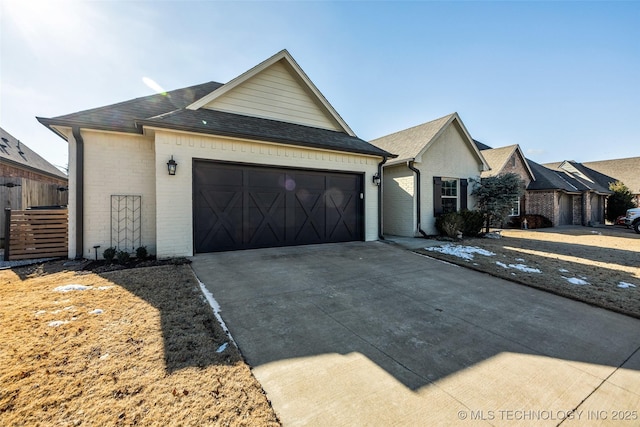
column 457, row 196
column 516, row 213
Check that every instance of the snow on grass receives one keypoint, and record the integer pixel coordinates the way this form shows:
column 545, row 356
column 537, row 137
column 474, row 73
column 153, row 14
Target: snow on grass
column 521, row 267
column 96, row 311
column 563, row 270
column 576, row 281
column 222, row 348
column 76, row 287
column 57, row 323
column 72, row 287
column 464, row 252
column 215, row 307
column 625, row 285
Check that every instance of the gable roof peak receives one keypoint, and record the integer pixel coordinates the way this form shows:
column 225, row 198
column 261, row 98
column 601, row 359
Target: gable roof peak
column 298, row 74
column 411, row 143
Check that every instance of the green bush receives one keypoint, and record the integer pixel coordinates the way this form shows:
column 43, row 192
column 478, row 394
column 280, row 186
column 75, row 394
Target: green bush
column 123, row 257
column 109, row 254
column 472, row 222
column 141, row 253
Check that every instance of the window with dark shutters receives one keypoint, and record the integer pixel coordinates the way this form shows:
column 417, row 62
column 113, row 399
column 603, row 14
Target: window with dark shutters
column 437, row 195
column 463, row 194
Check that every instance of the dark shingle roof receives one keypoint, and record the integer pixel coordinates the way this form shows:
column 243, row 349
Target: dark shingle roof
column 626, row 170
column 168, row 111
column 122, row 116
column 19, row 154
column 585, row 178
column 553, row 178
column 481, row 146
column 600, row 181
column 229, row 124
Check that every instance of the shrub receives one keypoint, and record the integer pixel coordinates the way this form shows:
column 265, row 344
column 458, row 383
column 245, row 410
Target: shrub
column 109, row 254
column 472, row 222
column 533, row 221
column 123, row 257
column 449, row 224
column 141, row 253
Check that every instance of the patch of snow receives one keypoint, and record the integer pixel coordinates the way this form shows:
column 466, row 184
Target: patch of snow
column 57, row 323
column 493, row 235
column 524, row 268
column 215, row 307
column 563, row 270
column 72, row 287
column 222, row 348
column 625, row 285
column 104, row 356
column 575, row 281
column 464, row 252
column 521, row 267
column 596, row 232
column 104, row 288
column 56, row 311
column 38, row 313
column 69, row 308
column 96, row 311
column 520, row 259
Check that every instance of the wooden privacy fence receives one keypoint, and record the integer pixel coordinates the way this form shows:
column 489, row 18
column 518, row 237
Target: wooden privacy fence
column 35, row 233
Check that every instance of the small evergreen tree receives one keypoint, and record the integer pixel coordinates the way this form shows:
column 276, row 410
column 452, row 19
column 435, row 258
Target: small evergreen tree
column 495, row 195
column 619, row 201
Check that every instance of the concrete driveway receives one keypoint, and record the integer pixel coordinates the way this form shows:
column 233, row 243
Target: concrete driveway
column 373, row 334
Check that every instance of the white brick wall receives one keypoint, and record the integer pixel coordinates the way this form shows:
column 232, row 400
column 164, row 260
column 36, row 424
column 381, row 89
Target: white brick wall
column 399, row 213
column 116, row 164
column 174, row 216
column 448, row 156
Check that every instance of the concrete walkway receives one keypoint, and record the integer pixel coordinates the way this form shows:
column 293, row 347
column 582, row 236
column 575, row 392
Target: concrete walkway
column 372, row 334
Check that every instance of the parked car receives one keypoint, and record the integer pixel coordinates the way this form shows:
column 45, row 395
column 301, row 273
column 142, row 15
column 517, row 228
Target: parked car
column 633, row 219
column 620, row 220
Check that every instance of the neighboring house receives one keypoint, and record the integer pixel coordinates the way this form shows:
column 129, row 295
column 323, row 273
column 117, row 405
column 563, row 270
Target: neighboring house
column 567, row 193
column 26, row 179
column 262, row 161
column 429, row 177
column 625, row 170
column 509, row 159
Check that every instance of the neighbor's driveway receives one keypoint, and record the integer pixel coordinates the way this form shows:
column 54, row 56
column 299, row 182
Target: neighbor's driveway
column 372, row 334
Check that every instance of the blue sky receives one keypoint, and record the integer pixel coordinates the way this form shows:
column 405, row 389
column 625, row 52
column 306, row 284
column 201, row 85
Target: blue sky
column 562, row 79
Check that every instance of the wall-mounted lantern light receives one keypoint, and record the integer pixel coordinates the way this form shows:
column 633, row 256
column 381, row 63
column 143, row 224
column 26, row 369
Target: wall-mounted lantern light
column 172, row 166
column 376, row 179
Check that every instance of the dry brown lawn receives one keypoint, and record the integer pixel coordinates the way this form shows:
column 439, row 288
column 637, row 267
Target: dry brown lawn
column 138, row 347
column 607, row 260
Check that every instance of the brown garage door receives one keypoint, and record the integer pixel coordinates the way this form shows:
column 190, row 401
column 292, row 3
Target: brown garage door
column 246, row 207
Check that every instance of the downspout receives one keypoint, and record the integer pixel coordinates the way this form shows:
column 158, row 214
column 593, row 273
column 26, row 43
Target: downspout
column 79, row 191
column 418, row 210
column 380, row 195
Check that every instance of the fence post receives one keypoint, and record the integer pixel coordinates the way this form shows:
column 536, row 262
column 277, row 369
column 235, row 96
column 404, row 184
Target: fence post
column 7, row 230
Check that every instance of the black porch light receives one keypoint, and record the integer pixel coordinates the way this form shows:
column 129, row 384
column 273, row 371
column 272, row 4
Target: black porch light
column 376, row 179
column 172, row 166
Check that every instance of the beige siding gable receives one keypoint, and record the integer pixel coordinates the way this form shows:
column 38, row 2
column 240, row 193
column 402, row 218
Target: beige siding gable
column 275, row 93
column 451, row 151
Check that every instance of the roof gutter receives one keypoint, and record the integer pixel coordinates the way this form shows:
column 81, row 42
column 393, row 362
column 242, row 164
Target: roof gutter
column 79, row 191
column 380, row 195
column 418, row 192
